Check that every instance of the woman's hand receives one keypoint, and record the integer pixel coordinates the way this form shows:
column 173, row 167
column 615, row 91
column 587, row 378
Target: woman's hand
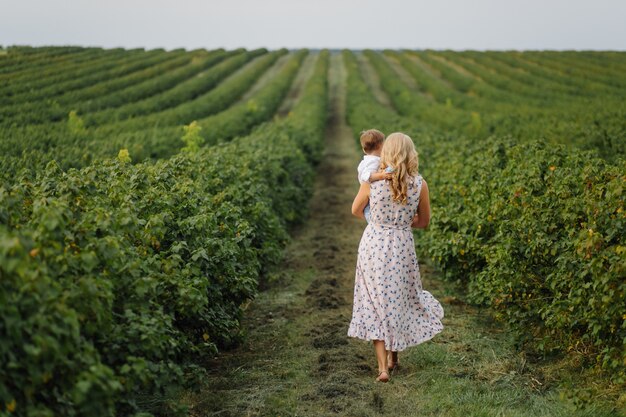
column 361, row 200
column 422, row 217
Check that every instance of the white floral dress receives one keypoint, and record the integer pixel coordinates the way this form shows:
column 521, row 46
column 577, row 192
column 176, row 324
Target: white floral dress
column 389, row 302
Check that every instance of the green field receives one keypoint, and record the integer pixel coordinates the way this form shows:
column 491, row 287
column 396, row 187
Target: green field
column 147, row 196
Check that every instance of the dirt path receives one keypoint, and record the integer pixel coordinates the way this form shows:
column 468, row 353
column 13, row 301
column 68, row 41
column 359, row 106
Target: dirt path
column 297, row 328
column 266, row 77
column 407, row 78
column 464, row 72
column 428, row 69
column 304, row 73
column 297, row 360
column 373, row 80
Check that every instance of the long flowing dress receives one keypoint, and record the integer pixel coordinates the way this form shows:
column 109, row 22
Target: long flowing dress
column 389, row 302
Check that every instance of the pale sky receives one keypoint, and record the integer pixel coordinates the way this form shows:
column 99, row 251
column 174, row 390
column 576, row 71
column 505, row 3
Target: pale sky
column 417, row 24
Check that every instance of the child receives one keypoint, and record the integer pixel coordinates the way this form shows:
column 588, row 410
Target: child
column 372, row 143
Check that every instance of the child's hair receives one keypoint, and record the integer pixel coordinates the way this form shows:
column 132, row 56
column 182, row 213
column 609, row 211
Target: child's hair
column 371, row 140
column 400, row 154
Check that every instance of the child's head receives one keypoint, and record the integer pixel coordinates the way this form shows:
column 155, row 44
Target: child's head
column 371, row 140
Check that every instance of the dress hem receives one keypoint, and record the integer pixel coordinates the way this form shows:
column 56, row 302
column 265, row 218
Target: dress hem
column 392, row 344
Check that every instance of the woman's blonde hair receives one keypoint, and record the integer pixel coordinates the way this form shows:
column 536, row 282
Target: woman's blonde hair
column 399, row 153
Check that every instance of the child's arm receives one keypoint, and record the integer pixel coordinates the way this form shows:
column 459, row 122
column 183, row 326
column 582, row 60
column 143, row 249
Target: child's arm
column 377, row 176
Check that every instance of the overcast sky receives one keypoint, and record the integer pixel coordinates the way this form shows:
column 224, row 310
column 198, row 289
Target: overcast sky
column 416, row 24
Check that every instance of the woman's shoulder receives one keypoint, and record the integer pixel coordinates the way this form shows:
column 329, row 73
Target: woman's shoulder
column 416, row 184
column 417, row 179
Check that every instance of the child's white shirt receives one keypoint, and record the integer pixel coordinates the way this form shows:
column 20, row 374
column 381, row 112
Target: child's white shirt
column 369, row 164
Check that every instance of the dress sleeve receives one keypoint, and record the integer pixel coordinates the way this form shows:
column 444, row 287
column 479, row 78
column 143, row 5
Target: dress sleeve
column 364, row 176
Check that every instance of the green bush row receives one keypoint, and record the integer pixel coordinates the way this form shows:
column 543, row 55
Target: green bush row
column 538, row 105
column 225, row 93
column 74, row 78
column 537, row 233
column 188, row 89
column 239, row 119
column 117, row 278
column 18, row 59
column 151, row 135
column 49, row 107
column 604, row 68
column 414, row 104
column 148, row 84
column 46, row 73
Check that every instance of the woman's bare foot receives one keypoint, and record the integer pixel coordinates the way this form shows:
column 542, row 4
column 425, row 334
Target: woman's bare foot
column 383, row 376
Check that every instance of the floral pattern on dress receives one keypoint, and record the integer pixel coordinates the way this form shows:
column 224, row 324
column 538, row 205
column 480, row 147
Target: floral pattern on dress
column 389, row 302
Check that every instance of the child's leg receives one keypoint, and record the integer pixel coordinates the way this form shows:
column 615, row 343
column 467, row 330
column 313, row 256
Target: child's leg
column 366, row 212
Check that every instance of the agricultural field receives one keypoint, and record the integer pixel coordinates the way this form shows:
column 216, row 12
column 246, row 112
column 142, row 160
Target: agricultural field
column 175, row 236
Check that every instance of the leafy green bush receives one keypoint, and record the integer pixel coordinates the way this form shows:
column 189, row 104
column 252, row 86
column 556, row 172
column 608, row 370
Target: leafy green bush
column 116, row 278
column 537, row 233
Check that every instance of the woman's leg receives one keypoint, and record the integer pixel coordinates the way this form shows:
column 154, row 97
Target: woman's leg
column 381, row 356
column 392, row 359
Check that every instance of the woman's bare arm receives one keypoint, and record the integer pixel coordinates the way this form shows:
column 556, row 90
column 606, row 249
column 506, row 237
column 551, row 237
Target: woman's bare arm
column 422, row 217
column 361, row 200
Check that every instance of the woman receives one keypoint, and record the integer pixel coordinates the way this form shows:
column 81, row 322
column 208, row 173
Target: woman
column 390, row 306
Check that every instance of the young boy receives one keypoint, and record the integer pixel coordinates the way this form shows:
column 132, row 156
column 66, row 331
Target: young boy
column 372, row 143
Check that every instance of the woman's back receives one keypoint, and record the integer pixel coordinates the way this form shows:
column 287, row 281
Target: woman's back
column 386, row 212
